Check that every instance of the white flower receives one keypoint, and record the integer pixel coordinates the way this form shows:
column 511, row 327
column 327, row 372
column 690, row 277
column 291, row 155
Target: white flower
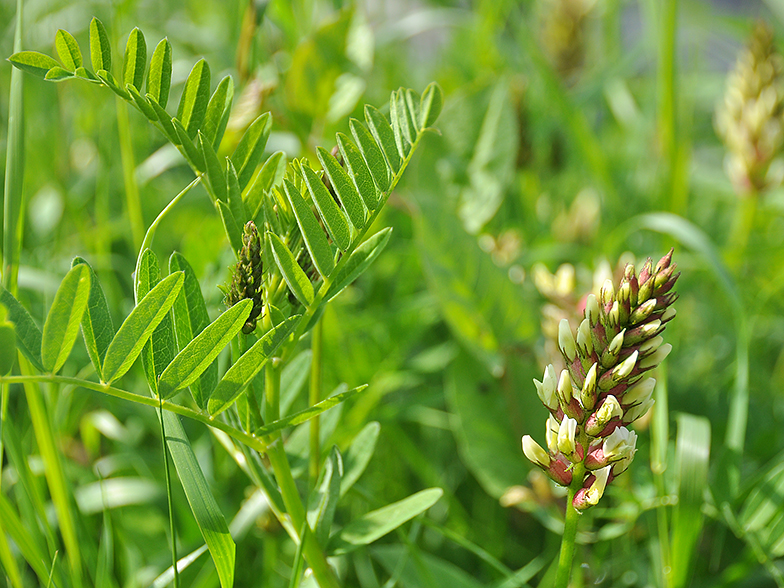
column 535, row 453
column 566, row 436
column 620, row 444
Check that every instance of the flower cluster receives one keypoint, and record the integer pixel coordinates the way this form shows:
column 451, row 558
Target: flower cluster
column 604, row 388
column 246, row 281
column 750, row 119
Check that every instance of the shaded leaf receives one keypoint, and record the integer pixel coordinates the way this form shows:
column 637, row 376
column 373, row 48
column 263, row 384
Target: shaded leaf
column 62, row 323
column 236, row 205
column 192, row 153
column 159, row 76
column 248, row 153
column 372, row 154
column 361, row 259
column 165, row 121
column 430, row 105
column 312, row 233
column 100, row 47
column 233, row 229
column 97, row 328
column 398, row 113
column 28, row 335
column 218, row 110
column 141, row 102
column 333, row 217
column 58, row 74
column 195, row 96
column 107, row 78
column 33, row 62
column 325, row 495
column 137, row 328
column 343, row 187
column 358, row 455
column 216, row 178
column 296, row 279
column 67, row 50
column 135, row 60
column 358, row 171
column 7, row 347
column 239, row 375
column 384, row 136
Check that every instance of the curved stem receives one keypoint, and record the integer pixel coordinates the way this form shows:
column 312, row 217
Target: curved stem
column 570, row 530
column 314, row 398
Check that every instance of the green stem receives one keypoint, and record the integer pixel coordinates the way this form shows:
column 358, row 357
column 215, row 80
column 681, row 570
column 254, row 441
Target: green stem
column 659, row 440
column 314, row 398
column 741, row 228
column 169, row 497
column 132, row 201
column 570, row 529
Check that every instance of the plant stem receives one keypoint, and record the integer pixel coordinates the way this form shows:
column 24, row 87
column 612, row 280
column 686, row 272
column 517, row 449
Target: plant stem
column 570, row 529
column 169, row 496
column 314, row 398
column 659, row 438
column 132, row 201
column 742, row 227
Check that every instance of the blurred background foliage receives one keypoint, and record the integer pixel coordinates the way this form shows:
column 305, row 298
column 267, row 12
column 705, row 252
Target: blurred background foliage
column 577, row 132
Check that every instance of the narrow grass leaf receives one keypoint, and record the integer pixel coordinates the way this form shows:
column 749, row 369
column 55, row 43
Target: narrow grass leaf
column 292, row 379
column 218, row 110
column 239, row 375
column 304, row 416
column 248, row 153
column 33, row 62
column 192, row 154
column 190, row 319
column 296, row 279
column 692, row 459
column 7, row 347
column 430, row 105
column 343, row 187
column 97, row 327
column 358, row 455
column 384, row 136
column 324, row 498
column 197, row 356
column 333, row 217
column 67, row 50
column 164, row 120
column 233, row 229
column 135, row 60
column 25, row 541
column 361, row 259
column 358, row 171
column 313, row 234
column 142, row 104
column 100, row 47
column 28, row 335
column 216, row 178
column 299, row 558
column 371, row 152
column 139, row 326
column 203, row 505
column 159, row 76
column 195, row 96
column 62, row 323
column 375, row 524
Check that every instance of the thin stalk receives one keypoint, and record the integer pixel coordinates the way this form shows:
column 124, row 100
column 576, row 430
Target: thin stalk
column 133, row 203
column 288, row 488
column 169, row 496
column 570, row 529
column 659, row 440
column 668, row 133
column 313, row 398
column 742, row 227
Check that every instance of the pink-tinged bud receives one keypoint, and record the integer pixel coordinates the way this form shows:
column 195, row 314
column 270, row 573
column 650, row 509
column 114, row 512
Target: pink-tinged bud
column 584, row 341
column 637, row 411
column 633, row 283
column 592, row 310
column 551, row 434
column 588, row 392
column 664, row 288
column 664, row 262
column 642, row 312
column 609, row 410
column 655, row 358
column 560, row 472
column 613, row 320
column 638, row 393
column 566, row 437
column 534, row 452
column 566, row 340
column 593, row 490
column 645, row 272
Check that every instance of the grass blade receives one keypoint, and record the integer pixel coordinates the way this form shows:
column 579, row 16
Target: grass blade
column 65, row 315
column 296, row 279
column 237, row 378
column 333, row 217
column 197, row 356
column 344, row 188
column 312, row 233
column 28, row 335
column 136, row 330
column 195, row 96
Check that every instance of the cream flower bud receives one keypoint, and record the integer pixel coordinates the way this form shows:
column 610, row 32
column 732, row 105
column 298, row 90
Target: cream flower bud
column 551, row 434
column 620, row 444
column 651, row 345
column 610, row 409
column 566, row 340
column 566, row 437
column 668, row 315
column 656, row 358
column 592, row 309
column 587, row 497
column 534, row 452
column 625, row 367
column 637, row 411
column 610, row 355
column 565, row 388
column 546, row 388
column 584, row 340
column 639, row 393
column 588, row 392
column 608, row 292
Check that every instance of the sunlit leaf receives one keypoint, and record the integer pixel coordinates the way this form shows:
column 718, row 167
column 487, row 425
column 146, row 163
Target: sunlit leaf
column 333, row 217
column 33, row 62
column 312, row 233
column 135, row 59
column 62, row 323
column 100, row 46
column 343, row 187
column 296, row 279
column 68, row 50
column 195, row 96
column 159, row 76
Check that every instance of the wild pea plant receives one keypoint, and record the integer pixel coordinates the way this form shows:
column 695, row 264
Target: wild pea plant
column 300, row 240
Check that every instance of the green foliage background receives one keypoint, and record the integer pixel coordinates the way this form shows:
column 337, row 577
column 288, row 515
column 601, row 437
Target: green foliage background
column 535, row 164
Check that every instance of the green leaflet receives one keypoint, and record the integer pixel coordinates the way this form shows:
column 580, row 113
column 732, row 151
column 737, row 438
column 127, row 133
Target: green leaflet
column 58, row 74
column 324, row 498
column 239, row 375
column 216, row 179
column 160, row 350
column 293, row 377
column 159, row 76
column 296, row 279
column 397, row 117
column 190, row 318
column 430, row 105
column 107, row 78
column 236, row 205
column 372, row 154
column 67, row 50
column 135, row 60
column 62, row 323
column 358, row 455
column 344, row 188
column 333, row 217
column 7, row 346
column 314, row 236
column 141, row 102
column 164, row 120
column 358, row 171
column 100, row 47
column 33, row 62
column 197, row 356
column 384, row 136
column 251, row 147
column 218, row 111
column 376, row 524
column 360, row 260
column 139, row 326
column 412, row 108
column 205, row 509
column 86, row 74
column 190, row 151
column 233, row 229
column 195, row 96
column 28, row 335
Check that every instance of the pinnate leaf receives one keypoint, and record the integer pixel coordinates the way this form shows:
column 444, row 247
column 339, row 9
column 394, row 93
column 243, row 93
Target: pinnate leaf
column 28, row 335
column 358, row 171
column 100, row 47
column 371, row 152
column 218, row 110
column 195, row 96
column 361, row 259
column 333, row 217
column 248, row 153
column 344, row 188
column 33, row 62
column 97, row 328
column 296, row 279
column 159, row 76
column 384, row 136
column 315, row 239
column 431, row 104
column 135, row 59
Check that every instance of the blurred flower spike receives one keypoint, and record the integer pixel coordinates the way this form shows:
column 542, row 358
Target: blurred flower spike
column 604, row 387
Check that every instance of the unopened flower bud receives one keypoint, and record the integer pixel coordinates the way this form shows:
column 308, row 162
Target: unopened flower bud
column 566, row 437
column 608, row 293
column 664, row 262
column 637, row 411
column 592, row 309
column 584, row 340
column 546, row 388
column 566, row 340
column 642, row 312
column 625, row 368
column 656, row 358
column 534, row 452
column 643, row 332
column 614, row 316
column 551, row 434
column 588, row 392
column 591, row 494
column 620, row 444
column 564, row 389
column 639, row 393
column 610, row 409
column 610, row 355
column 650, row 346
column 668, row 315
